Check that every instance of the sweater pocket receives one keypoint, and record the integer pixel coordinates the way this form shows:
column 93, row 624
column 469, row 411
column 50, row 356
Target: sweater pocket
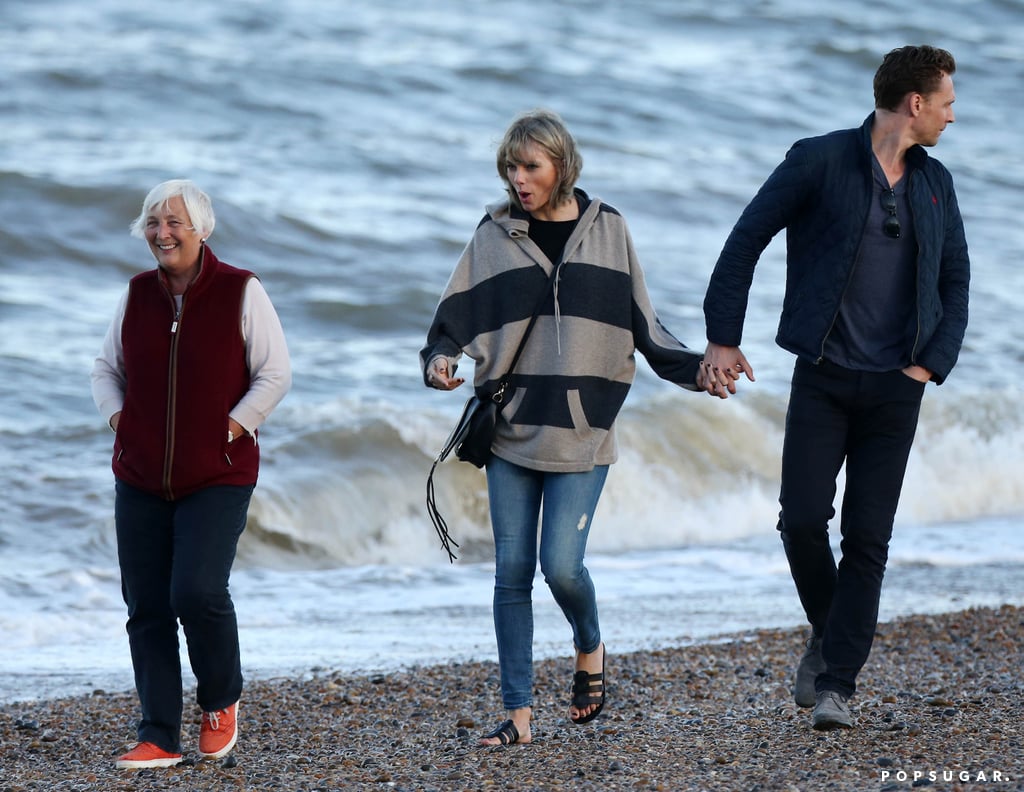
column 579, row 415
column 513, row 403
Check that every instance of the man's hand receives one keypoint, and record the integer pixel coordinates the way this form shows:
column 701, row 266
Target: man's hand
column 721, row 368
column 919, row 373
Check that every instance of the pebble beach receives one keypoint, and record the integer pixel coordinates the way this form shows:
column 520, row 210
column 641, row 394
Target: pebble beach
column 938, row 706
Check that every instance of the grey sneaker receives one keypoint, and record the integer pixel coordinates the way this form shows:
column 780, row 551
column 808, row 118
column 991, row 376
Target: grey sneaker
column 831, row 712
column 811, row 664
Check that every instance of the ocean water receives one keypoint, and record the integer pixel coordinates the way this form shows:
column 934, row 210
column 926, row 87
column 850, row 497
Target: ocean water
column 349, row 152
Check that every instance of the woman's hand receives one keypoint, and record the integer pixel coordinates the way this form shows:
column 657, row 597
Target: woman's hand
column 721, row 368
column 236, row 429
column 437, row 375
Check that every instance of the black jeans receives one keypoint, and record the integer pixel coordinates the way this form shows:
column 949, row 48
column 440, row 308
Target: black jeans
column 175, row 559
column 866, row 420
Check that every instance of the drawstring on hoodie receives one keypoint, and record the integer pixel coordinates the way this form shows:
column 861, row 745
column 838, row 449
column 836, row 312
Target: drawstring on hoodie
column 558, row 311
column 516, row 233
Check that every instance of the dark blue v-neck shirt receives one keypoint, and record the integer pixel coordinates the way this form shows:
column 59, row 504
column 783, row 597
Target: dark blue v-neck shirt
column 875, row 327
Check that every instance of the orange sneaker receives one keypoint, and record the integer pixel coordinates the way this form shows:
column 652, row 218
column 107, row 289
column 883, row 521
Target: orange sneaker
column 219, row 732
column 147, row 754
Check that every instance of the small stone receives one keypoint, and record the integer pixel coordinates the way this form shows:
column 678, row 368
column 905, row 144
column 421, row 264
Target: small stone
column 229, row 762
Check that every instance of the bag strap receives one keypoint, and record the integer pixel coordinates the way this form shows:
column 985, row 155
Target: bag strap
column 499, row 394
column 439, row 523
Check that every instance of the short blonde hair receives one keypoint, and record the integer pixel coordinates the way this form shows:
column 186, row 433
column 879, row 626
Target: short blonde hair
column 545, row 129
column 197, row 204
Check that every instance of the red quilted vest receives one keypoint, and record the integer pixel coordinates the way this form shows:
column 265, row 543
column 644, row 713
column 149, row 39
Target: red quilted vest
column 183, row 372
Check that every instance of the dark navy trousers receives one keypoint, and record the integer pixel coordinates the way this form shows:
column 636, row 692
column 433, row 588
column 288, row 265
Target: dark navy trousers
column 175, row 559
column 866, row 420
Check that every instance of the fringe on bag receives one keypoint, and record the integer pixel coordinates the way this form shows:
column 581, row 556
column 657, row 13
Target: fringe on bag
column 456, row 436
column 440, row 524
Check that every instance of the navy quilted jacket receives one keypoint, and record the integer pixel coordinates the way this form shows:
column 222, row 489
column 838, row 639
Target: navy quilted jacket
column 821, row 194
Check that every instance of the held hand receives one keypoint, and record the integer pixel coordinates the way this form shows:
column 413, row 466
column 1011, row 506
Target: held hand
column 115, row 419
column 721, row 368
column 437, row 375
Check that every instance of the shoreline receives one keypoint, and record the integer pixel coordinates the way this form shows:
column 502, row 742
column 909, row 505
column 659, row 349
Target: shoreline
column 939, row 701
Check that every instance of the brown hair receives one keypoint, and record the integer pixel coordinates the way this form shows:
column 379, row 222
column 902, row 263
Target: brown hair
column 910, row 70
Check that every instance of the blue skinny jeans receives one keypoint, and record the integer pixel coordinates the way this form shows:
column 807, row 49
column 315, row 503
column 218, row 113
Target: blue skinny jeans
column 516, row 495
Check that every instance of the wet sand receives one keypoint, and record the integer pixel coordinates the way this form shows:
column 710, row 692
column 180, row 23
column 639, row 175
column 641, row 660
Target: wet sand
column 939, row 705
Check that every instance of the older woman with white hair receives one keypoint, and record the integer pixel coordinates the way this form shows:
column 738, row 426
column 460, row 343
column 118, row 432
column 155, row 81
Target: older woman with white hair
column 193, row 363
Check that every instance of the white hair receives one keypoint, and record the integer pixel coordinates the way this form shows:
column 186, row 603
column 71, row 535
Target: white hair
column 197, row 204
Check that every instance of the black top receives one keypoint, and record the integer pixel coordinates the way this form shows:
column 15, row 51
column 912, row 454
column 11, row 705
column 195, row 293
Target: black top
column 551, row 235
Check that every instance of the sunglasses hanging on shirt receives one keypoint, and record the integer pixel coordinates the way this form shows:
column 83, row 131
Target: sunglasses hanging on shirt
column 891, row 225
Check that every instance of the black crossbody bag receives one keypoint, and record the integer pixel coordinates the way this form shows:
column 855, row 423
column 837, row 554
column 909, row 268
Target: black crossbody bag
column 473, row 434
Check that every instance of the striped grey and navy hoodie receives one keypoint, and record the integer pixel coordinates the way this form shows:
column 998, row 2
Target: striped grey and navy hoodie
column 578, row 363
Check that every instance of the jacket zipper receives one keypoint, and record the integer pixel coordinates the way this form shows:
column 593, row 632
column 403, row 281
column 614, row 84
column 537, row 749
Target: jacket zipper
column 849, row 277
column 172, row 375
column 917, row 277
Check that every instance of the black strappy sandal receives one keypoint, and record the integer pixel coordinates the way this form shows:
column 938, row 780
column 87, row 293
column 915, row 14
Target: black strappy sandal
column 587, row 690
column 506, row 732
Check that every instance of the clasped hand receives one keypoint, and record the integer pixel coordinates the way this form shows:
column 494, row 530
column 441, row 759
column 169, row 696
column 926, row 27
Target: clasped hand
column 721, row 369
